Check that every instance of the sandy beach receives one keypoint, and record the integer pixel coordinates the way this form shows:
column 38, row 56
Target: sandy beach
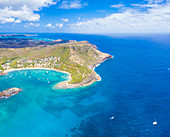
column 63, row 84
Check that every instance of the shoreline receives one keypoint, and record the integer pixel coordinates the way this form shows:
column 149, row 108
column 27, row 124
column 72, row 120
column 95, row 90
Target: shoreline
column 65, row 84
column 35, row 68
column 80, row 75
column 39, row 68
column 61, row 85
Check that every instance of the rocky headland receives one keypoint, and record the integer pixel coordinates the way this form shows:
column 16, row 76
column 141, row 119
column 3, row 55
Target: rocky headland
column 78, row 59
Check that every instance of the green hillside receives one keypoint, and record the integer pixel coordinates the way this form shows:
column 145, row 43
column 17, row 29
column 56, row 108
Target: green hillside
column 77, row 58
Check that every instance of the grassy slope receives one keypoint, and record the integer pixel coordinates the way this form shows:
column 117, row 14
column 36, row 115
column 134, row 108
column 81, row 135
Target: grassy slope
column 77, row 58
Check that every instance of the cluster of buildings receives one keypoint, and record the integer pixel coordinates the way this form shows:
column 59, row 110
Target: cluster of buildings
column 6, row 66
column 50, row 62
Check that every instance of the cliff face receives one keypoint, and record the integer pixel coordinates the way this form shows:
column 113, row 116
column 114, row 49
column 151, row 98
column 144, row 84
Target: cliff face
column 87, row 54
column 102, row 60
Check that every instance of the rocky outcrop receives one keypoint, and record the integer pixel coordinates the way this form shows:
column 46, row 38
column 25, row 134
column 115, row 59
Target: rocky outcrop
column 86, row 82
column 102, row 60
column 9, row 92
column 2, row 73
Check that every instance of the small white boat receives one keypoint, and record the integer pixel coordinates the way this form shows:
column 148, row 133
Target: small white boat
column 155, row 122
column 112, row 117
column 29, row 77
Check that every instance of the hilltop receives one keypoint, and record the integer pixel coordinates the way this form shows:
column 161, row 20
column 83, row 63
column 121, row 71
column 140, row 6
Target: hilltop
column 77, row 58
column 14, row 42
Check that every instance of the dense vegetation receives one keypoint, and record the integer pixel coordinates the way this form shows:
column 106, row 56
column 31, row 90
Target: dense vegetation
column 77, row 58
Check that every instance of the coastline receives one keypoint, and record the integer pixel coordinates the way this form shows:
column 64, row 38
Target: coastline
column 65, row 84
column 61, row 85
column 80, row 75
column 32, row 68
column 39, row 68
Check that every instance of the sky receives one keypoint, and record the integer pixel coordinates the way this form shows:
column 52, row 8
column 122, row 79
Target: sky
column 85, row 16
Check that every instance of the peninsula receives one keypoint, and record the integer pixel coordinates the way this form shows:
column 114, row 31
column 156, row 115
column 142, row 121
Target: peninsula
column 9, row 92
column 78, row 59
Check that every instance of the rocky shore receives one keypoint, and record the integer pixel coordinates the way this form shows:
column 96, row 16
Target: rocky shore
column 102, row 60
column 86, row 82
column 2, row 73
column 9, row 92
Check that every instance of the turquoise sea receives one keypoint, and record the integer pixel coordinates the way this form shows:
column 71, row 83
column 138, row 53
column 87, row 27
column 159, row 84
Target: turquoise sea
column 135, row 89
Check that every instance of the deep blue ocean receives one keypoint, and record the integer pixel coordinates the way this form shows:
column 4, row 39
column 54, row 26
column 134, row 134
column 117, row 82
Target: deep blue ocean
column 135, row 89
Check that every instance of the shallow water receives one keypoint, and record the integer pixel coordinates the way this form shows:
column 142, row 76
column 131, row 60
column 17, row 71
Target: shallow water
column 135, row 89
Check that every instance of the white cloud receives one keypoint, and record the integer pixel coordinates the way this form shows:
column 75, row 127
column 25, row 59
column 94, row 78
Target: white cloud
column 60, row 25
column 35, row 5
column 22, row 10
column 151, row 4
column 8, row 20
column 65, row 20
column 32, row 24
column 35, row 24
column 145, row 5
column 117, row 6
column 74, row 4
column 48, row 25
column 17, row 21
column 155, row 19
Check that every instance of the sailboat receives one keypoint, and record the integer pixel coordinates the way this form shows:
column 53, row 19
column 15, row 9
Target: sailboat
column 112, row 117
column 155, row 122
